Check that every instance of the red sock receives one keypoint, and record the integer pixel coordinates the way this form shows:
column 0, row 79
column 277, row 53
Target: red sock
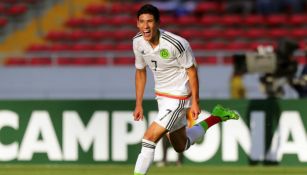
column 212, row 120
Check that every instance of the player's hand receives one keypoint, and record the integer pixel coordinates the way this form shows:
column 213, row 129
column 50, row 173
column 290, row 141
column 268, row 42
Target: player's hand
column 195, row 111
column 138, row 113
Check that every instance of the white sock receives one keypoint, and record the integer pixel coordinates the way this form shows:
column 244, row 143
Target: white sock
column 145, row 158
column 195, row 133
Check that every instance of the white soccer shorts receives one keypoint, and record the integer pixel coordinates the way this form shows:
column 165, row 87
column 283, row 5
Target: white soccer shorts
column 172, row 112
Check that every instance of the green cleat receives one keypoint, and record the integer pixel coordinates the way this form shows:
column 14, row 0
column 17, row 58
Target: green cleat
column 224, row 113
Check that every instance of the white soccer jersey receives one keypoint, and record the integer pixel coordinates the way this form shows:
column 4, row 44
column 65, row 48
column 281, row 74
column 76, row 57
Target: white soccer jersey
column 168, row 62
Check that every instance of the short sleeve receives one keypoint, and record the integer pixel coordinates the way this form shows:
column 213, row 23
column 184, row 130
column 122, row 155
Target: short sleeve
column 139, row 60
column 186, row 58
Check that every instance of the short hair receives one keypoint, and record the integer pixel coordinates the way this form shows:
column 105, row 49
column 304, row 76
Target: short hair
column 149, row 9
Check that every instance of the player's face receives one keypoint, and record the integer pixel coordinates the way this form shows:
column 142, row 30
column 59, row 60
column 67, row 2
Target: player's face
column 148, row 27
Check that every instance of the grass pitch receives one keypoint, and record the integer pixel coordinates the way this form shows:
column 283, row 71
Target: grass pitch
column 128, row 170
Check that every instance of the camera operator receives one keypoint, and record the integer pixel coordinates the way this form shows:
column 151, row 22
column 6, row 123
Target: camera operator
column 300, row 83
column 286, row 68
column 277, row 67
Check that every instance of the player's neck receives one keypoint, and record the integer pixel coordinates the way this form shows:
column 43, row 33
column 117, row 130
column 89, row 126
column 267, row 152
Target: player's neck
column 155, row 42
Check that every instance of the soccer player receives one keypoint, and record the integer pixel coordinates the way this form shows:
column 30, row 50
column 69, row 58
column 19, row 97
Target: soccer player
column 171, row 60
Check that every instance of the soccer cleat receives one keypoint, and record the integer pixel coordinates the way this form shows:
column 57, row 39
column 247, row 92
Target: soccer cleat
column 224, row 113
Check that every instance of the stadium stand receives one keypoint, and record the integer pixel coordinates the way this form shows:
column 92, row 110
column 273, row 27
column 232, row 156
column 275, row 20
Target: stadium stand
column 104, row 28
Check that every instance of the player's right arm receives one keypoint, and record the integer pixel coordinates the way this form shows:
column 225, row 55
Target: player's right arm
column 140, row 77
column 140, row 82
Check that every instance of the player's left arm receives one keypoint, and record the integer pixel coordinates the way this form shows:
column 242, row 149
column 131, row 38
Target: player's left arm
column 194, row 85
column 187, row 60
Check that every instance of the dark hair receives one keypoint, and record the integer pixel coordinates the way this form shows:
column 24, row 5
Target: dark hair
column 149, row 9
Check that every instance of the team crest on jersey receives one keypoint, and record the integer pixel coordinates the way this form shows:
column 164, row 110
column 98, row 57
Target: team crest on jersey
column 164, row 53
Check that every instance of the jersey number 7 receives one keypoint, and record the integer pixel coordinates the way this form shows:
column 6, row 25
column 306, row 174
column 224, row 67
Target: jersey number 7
column 156, row 65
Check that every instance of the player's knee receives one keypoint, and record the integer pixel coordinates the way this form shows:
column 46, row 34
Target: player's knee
column 179, row 149
column 150, row 138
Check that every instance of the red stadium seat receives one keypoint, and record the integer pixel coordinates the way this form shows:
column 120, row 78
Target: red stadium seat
column 167, row 19
column 76, row 22
column 84, row 61
column 190, row 33
column 3, row 22
column 228, row 60
column 210, row 20
column 124, row 34
column 38, row 47
column 124, row 61
column 40, row 61
column 237, row 46
column 64, row 61
column 77, row 35
column 298, row 33
column 124, row 47
column 197, row 46
column 256, row 33
column 123, row 20
column 214, row 46
column 96, row 9
column 98, row 21
column 253, row 20
column 2, row 9
column 231, row 20
column 57, row 36
column 15, row 61
column 298, row 19
column 301, row 60
column 303, row 45
column 206, row 60
column 103, row 47
column 233, row 33
column 17, row 9
column 278, row 33
column 60, row 47
column 135, row 7
column 278, row 19
column 82, row 47
column 101, row 61
column 211, row 33
column 186, row 20
column 205, row 7
column 121, row 8
column 100, row 35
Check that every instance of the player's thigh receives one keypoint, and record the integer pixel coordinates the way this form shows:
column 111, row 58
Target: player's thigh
column 172, row 113
column 178, row 139
column 154, row 132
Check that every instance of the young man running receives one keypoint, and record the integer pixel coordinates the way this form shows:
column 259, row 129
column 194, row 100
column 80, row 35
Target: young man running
column 173, row 65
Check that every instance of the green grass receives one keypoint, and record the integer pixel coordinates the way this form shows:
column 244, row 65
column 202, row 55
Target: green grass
column 128, row 170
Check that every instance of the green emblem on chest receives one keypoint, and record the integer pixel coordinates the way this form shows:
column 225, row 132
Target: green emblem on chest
column 164, row 53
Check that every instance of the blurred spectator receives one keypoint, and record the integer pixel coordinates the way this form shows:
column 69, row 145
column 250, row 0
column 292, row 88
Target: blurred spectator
column 267, row 7
column 185, row 8
column 178, row 7
column 237, row 88
column 300, row 83
column 166, row 5
column 294, row 6
column 239, row 6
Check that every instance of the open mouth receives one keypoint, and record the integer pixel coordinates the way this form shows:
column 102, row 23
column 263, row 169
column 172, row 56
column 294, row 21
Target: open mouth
column 146, row 33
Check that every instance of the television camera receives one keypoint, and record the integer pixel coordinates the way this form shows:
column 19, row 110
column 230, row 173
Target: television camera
column 276, row 67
